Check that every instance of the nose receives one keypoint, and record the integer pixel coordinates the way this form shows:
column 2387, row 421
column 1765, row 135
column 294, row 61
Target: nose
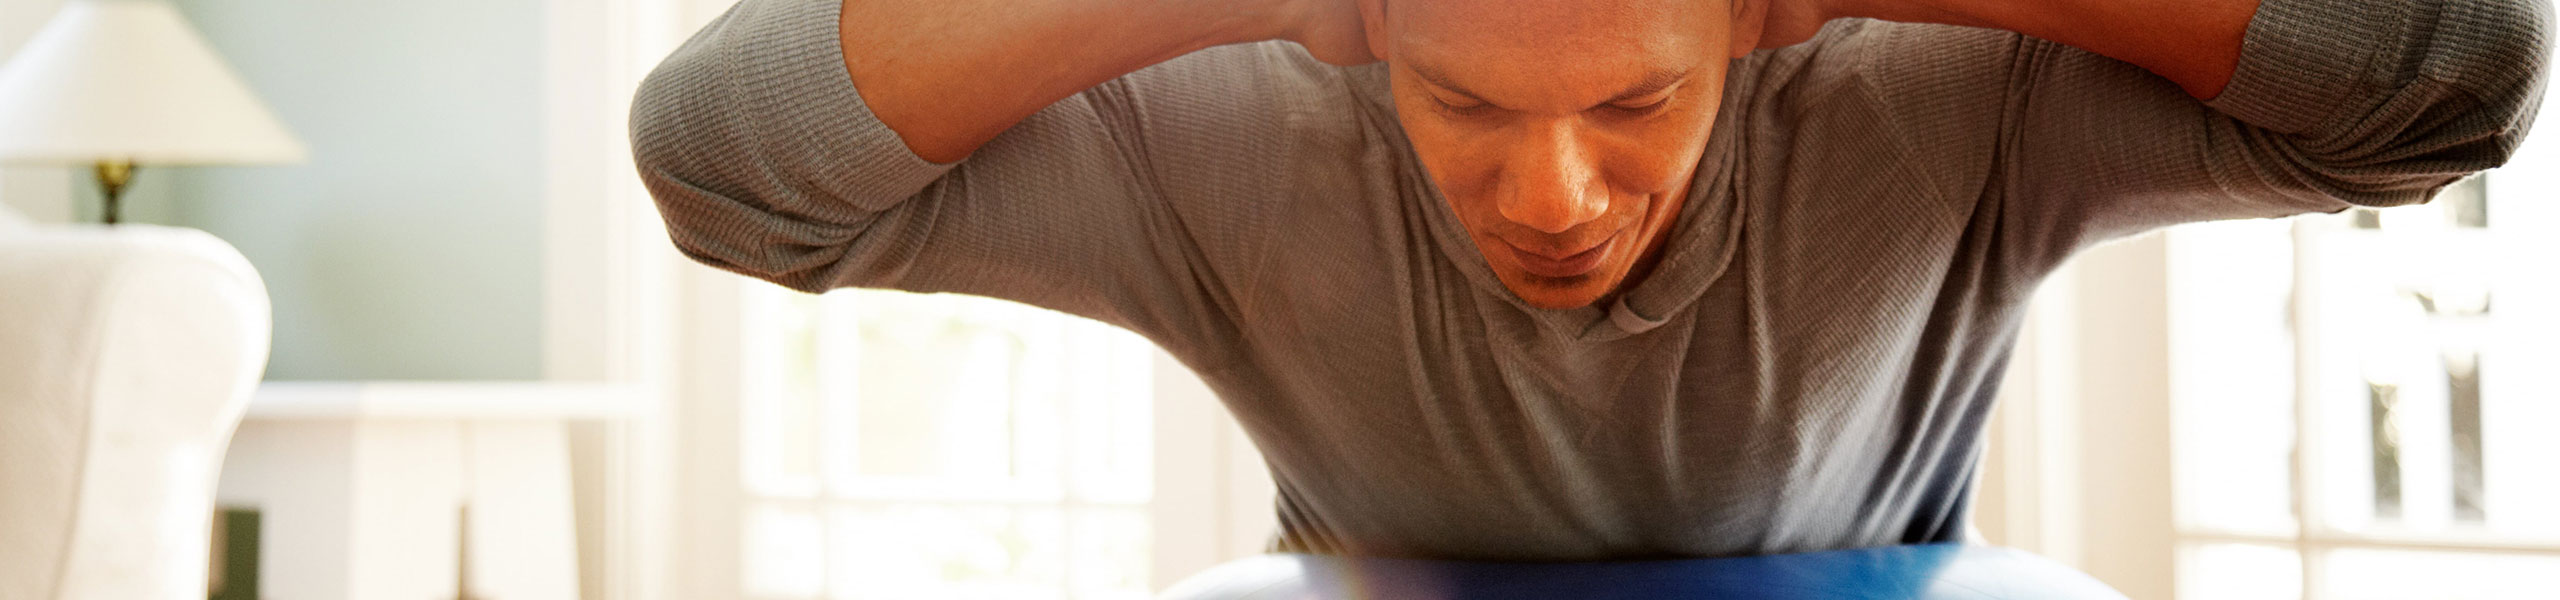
column 1550, row 184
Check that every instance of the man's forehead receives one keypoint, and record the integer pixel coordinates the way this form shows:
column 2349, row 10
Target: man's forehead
column 1441, row 31
column 1556, row 54
column 1551, row 17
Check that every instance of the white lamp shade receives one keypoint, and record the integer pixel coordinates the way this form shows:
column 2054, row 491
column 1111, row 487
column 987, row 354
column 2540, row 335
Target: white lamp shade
column 129, row 80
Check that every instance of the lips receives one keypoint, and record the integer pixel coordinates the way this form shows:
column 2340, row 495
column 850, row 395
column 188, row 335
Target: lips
column 1560, row 267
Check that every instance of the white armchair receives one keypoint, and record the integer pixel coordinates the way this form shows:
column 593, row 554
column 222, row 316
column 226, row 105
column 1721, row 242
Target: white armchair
column 127, row 355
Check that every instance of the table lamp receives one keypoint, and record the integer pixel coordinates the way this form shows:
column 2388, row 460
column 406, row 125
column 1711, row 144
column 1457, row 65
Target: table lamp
column 116, row 83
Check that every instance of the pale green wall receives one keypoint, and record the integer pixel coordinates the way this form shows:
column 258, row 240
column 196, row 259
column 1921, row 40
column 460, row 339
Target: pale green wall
column 409, row 246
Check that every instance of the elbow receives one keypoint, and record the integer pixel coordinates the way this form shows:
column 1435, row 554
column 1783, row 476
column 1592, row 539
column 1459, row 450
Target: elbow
column 2503, row 81
column 2464, row 107
column 725, row 229
column 661, row 137
column 722, row 232
column 665, row 123
column 707, row 203
column 2471, row 133
column 2509, row 102
column 719, row 257
column 729, row 213
column 722, row 206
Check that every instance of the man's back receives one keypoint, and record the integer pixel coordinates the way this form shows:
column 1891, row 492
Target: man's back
column 1808, row 366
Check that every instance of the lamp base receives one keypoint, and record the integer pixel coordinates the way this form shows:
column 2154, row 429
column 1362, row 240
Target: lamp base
column 113, row 175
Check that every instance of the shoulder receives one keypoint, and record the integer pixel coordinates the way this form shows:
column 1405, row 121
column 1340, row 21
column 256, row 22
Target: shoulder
column 1901, row 66
column 1931, row 97
column 1239, row 140
column 1255, row 121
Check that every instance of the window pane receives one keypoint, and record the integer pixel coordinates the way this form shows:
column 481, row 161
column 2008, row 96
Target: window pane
column 2395, row 574
column 2433, row 322
column 1111, row 413
column 783, row 553
column 929, row 551
column 936, row 393
column 1109, row 554
column 951, row 396
column 971, row 448
column 779, row 417
column 2232, row 376
column 2239, row 572
column 2377, row 372
column 2520, row 456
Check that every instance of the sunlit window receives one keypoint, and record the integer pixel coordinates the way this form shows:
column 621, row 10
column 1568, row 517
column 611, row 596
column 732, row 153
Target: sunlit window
column 905, row 446
column 2365, row 402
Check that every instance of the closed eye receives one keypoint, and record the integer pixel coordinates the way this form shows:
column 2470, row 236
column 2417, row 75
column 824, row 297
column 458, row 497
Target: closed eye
column 1640, row 110
column 1474, row 109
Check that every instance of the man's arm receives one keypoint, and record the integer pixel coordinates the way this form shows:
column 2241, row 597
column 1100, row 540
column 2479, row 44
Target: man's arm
column 949, row 75
column 1136, row 202
column 2195, row 43
column 2056, row 144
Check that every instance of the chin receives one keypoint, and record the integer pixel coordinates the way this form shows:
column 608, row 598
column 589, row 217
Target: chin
column 1554, row 294
column 1558, row 304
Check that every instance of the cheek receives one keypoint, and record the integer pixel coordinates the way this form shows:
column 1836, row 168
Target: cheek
column 1462, row 164
column 1642, row 171
column 1456, row 159
column 1655, row 160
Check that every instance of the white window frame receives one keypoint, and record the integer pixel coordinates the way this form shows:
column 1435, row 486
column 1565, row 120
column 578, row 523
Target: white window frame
column 2314, row 536
column 2077, row 466
column 1212, row 500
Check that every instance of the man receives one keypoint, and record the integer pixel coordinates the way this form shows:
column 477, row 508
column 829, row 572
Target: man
column 1561, row 279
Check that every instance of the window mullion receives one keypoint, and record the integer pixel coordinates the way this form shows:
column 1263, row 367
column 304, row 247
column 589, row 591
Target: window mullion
column 839, row 443
column 2307, row 441
column 1064, row 419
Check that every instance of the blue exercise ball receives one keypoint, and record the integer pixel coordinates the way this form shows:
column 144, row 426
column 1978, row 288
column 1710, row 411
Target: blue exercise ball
column 1934, row 572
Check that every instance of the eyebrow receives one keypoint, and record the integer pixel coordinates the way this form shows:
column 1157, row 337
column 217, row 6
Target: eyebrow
column 1652, row 83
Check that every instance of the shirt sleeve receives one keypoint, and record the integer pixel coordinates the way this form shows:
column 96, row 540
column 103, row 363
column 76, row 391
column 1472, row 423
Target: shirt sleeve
column 2335, row 104
column 764, row 161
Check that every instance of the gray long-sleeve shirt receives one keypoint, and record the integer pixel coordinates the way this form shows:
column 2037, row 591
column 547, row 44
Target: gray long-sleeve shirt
column 1810, row 365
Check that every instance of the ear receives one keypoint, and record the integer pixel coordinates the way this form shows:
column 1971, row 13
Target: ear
column 1373, row 24
column 1750, row 23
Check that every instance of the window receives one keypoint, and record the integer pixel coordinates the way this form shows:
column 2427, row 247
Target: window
column 896, row 445
column 2364, row 403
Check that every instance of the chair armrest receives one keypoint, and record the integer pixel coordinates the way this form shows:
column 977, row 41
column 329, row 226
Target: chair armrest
column 127, row 355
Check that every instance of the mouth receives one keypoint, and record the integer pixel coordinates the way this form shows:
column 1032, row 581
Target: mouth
column 1562, row 267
